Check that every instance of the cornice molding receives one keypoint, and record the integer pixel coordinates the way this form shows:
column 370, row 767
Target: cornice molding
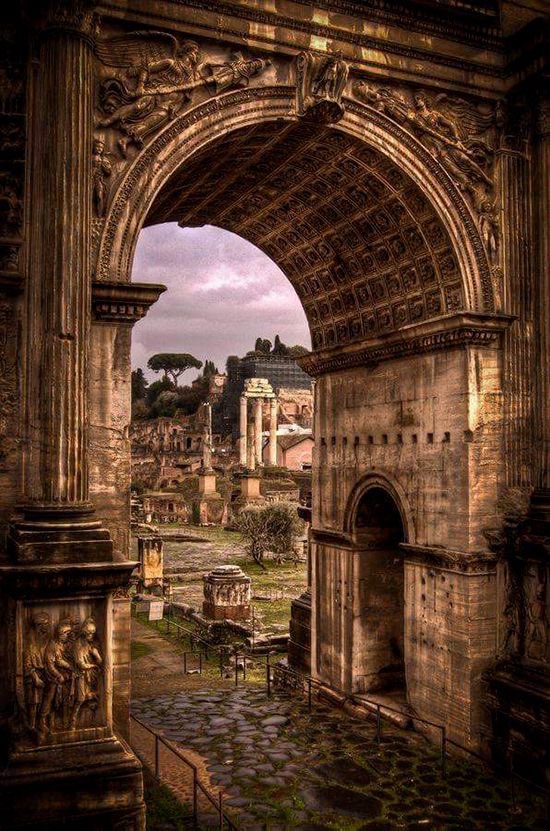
column 114, row 302
column 465, row 562
column 445, row 332
column 331, row 33
column 329, row 537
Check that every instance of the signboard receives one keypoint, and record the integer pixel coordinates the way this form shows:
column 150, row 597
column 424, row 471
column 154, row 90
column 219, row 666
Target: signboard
column 156, row 609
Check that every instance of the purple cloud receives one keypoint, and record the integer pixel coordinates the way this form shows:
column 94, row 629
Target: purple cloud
column 223, row 292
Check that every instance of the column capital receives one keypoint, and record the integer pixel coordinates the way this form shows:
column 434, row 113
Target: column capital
column 76, row 17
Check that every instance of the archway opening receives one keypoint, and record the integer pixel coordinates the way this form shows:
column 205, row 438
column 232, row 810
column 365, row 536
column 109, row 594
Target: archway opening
column 379, row 650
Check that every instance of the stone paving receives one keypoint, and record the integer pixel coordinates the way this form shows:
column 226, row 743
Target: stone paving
column 281, row 767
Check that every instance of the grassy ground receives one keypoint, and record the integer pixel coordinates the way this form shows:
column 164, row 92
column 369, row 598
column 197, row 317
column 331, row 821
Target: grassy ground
column 273, row 587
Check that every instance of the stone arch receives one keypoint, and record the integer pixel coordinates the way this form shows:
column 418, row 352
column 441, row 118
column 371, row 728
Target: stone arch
column 191, row 136
column 392, row 487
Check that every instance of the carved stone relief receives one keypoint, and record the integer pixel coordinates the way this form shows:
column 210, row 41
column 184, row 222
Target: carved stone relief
column 157, row 77
column 460, row 134
column 62, row 670
column 320, row 83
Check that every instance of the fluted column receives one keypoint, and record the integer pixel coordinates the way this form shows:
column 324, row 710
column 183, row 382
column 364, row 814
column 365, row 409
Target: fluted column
column 542, row 224
column 258, row 403
column 273, row 432
column 58, row 310
column 242, row 430
column 251, row 447
column 515, row 257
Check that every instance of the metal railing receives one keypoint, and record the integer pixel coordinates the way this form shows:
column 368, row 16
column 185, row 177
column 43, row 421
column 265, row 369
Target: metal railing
column 225, row 821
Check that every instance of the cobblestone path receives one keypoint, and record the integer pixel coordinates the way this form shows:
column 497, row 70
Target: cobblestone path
column 281, row 767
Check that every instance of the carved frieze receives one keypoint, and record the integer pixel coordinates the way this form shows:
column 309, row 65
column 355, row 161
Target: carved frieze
column 320, row 83
column 460, row 134
column 152, row 77
column 61, row 671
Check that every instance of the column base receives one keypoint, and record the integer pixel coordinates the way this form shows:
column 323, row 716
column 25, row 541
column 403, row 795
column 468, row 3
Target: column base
column 45, row 536
column 86, row 787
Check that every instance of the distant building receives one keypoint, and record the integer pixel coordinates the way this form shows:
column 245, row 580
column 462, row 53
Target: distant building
column 294, row 451
column 282, row 371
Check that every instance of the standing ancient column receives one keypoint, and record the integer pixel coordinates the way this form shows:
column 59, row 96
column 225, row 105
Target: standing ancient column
column 243, row 430
column 251, row 447
column 273, row 432
column 542, row 219
column 66, row 555
column 258, row 404
column 207, row 437
column 56, row 471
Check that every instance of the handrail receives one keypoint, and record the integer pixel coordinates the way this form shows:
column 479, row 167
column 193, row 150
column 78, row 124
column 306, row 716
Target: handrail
column 197, row 784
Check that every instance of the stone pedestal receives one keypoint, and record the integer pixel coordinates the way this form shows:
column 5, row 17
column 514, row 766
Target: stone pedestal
column 226, row 594
column 66, row 766
column 207, row 482
column 250, row 487
column 151, row 562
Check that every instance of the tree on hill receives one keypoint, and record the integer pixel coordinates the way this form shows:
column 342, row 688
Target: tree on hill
column 173, row 364
column 262, row 346
column 297, row 350
column 156, row 388
column 209, row 369
column 279, row 347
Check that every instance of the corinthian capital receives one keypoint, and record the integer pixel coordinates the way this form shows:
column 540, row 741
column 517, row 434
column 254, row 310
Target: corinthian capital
column 77, row 16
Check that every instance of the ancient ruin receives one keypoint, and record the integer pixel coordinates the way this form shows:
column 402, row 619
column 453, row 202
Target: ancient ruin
column 226, row 594
column 394, row 161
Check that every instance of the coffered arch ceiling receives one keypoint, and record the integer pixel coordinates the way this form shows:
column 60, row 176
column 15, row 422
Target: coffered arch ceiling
column 359, row 241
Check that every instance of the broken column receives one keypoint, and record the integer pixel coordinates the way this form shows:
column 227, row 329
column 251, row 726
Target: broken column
column 226, row 594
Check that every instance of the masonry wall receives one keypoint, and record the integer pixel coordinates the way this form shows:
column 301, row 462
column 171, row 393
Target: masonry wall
column 110, row 414
column 431, row 427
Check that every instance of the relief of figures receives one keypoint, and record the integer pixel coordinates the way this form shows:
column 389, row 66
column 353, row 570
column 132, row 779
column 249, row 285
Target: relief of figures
column 455, row 132
column 62, row 668
column 159, row 78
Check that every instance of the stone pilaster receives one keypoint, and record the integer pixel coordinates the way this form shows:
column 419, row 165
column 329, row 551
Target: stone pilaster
column 515, row 257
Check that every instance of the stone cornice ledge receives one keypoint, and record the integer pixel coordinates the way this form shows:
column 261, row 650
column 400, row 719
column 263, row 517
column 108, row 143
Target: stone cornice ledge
column 445, row 332
column 466, row 562
column 329, row 536
column 114, row 302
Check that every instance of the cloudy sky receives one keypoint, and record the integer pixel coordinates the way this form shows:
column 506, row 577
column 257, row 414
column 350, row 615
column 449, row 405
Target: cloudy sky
column 223, row 293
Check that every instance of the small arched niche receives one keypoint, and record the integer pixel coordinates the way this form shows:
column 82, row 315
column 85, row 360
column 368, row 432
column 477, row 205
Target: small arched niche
column 379, row 615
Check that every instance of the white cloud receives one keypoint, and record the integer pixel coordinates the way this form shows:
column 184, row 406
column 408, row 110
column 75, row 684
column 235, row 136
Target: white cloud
column 223, row 293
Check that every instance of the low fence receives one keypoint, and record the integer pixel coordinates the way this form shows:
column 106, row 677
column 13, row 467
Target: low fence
column 197, row 788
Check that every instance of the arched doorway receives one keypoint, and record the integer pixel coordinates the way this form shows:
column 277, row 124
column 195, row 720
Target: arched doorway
column 379, row 617
column 391, row 271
